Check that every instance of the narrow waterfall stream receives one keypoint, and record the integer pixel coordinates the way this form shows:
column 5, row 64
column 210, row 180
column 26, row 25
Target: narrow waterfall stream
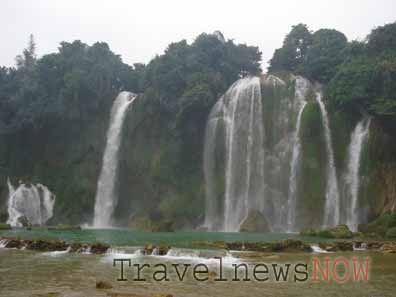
column 106, row 196
column 240, row 113
column 358, row 139
column 302, row 86
column 332, row 204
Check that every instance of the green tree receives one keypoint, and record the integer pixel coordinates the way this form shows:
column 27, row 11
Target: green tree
column 291, row 56
column 326, row 52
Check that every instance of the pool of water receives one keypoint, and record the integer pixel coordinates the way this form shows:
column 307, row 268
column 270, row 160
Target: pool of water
column 30, row 273
column 130, row 237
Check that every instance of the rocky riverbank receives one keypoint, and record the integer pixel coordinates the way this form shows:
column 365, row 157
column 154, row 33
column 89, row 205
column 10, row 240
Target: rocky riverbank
column 53, row 245
column 283, row 246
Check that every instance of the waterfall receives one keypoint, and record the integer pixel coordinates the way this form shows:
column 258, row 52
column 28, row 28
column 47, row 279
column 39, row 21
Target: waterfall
column 106, row 198
column 209, row 159
column 240, row 112
column 358, row 138
column 301, row 89
column 32, row 203
column 332, row 206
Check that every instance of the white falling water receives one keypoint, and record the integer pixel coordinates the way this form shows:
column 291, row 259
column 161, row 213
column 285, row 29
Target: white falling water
column 212, row 219
column 33, row 202
column 301, row 89
column 106, row 198
column 358, row 138
column 332, row 204
column 240, row 112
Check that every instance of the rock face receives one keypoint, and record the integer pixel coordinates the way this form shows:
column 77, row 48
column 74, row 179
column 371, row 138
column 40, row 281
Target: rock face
column 380, row 226
column 254, row 222
column 161, row 169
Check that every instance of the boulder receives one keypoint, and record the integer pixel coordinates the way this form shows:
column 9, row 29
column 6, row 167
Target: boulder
column 24, row 221
column 337, row 246
column 254, row 222
column 103, row 285
column 340, row 231
column 99, row 248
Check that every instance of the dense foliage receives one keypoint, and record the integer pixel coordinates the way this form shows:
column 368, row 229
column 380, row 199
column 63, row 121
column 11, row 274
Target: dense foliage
column 69, row 85
column 361, row 75
column 54, row 113
column 367, row 79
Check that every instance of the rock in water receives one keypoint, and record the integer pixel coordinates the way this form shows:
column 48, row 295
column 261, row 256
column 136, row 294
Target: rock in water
column 103, row 285
column 254, row 222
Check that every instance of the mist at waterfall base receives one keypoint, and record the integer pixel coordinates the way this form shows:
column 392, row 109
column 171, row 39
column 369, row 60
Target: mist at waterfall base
column 33, row 203
column 240, row 167
column 106, row 195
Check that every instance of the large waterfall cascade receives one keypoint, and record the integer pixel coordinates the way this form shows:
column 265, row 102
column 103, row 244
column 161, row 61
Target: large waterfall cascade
column 253, row 155
column 106, row 196
column 33, row 202
column 358, row 138
column 240, row 112
column 332, row 202
column 302, row 86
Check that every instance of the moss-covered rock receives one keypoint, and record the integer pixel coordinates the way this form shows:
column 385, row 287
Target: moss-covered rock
column 288, row 245
column 380, row 226
column 4, row 226
column 312, row 174
column 391, row 233
column 145, row 223
column 340, row 231
column 254, row 222
column 337, row 246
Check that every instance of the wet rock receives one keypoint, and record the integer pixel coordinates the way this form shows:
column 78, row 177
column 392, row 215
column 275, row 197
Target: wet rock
column 291, row 245
column 374, row 245
column 46, row 246
column 24, row 221
column 340, row 231
column 150, row 249
column 337, row 246
column 254, row 222
column 103, row 285
column 75, row 247
column 389, row 247
column 14, row 244
column 288, row 245
column 99, row 248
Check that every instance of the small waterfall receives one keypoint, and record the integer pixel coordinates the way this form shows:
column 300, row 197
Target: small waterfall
column 212, row 206
column 301, row 89
column 106, row 199
column 34, row 203
column 240, row 112
column 358, row 138
column 332, row 206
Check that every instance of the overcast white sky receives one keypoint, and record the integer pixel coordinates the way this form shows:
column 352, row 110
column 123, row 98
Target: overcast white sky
column 137, row 30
